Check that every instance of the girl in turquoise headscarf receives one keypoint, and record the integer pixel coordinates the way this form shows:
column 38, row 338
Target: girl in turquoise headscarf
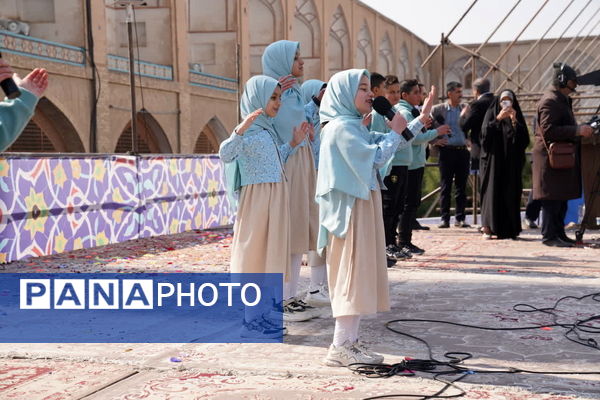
column 350, row 211
column 261, row 231
column 281, row 60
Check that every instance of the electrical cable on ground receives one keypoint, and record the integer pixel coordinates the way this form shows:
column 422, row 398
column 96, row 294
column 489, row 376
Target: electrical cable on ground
column 453, row 365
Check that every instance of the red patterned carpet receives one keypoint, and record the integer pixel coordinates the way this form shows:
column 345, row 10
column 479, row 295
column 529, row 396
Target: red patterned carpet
column 461, row 278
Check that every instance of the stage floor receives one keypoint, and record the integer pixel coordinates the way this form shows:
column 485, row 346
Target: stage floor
column 461, row 278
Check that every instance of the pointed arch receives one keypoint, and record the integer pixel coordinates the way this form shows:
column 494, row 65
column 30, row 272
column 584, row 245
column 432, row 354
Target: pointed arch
column 386, row 55
column 456, row 72
column 307, row 30
column 210, row 137
column 265, row 21
column 339, row 42
column 364, row 48
column 419, row 72
column 48, row 131
column 151, row 136
column 403, row 63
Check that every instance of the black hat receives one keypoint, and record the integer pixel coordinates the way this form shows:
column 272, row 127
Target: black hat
column 563, row 73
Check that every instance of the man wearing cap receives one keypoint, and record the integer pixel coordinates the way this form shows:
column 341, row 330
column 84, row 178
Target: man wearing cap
column 555, row 124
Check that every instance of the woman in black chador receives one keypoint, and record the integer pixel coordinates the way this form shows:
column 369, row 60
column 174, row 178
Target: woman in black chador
column 504, row 138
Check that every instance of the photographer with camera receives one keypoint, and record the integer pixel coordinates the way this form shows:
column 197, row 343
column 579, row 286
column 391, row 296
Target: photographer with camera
column 22, row 97
column 556, row 171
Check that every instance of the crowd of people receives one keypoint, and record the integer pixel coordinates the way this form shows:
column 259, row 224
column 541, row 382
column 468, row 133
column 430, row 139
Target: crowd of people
column 320, row 173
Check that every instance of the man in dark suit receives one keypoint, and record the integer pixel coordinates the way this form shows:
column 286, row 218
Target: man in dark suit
column 472, row 117
column 556, row 124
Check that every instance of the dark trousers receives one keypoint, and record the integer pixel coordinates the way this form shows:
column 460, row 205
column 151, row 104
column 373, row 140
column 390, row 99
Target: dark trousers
column 411, row 204
column 393, row 201
column 454, row 166
column 532, row 210
column 553, row 219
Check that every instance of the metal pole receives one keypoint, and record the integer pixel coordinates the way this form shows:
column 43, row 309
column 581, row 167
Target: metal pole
column 494, row 31
column 492, row 64
column 555, row 41
column 541, row 78
column 516, row 38
column 134, row 137
column 449, row 33
column 443, row 88
column 533, row 46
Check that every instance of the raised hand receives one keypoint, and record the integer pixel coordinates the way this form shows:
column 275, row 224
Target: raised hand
column 248, row 121
column 399, row 123
column 428, row 103
column 287, row 82
column 36, row 81
column 300, row 133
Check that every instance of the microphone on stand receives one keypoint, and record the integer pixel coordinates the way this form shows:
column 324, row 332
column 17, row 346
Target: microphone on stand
column 382, row 106
column 10, row 87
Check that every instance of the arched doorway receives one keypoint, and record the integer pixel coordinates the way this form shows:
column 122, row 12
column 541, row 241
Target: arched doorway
column 265, row 19
column 48, row 131
column 210, row 137
column 151, row 137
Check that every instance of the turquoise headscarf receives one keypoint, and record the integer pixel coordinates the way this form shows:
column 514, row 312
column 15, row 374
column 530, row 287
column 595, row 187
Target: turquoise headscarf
column 277, row 61
column 310, row 88
column 257, row 92
column 347, row 155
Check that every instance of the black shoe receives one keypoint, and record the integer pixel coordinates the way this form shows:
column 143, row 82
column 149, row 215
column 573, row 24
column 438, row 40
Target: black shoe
column 413, row 249
column 557, row 243
column 444, row 225
column 461, row 224
column 567, row 239
column 393, row 252
column 418, row 227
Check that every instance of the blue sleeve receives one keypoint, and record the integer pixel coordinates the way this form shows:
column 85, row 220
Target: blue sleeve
column 425, row 137
column 387, row 148
column 14, row 115
column 231, row 148
column 284, row 151
column 415, row 126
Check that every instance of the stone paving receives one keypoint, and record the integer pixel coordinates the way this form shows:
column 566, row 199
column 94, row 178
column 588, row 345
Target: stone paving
column 461, row 278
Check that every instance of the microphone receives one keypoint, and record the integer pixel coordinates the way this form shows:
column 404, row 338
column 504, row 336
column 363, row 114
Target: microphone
column 10, row 87
column 441, row 121
column 382, row 106
column 316, row 100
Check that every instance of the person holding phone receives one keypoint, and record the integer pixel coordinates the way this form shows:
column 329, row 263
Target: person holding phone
column 15, row 113
column 504, row 138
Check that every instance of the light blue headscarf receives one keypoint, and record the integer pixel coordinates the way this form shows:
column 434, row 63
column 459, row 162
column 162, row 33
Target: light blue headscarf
column 257, row 92
column 347, row 155
column 311, row 88
column 277, row 61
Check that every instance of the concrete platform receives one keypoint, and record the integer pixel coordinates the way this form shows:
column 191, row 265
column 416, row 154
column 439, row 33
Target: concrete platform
column 461, row 278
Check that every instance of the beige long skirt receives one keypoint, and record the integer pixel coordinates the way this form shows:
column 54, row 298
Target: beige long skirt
column 261, row 234
column 304, row 211
column 356, row 265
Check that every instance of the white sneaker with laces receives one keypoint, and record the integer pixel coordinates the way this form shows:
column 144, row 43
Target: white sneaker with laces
column 375, row 356
column 295, row 310
column 347, row 354
column 317, row 297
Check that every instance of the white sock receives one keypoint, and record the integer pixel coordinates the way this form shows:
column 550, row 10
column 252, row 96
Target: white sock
column 290, row 287
column 346, row 329
column 318, row 276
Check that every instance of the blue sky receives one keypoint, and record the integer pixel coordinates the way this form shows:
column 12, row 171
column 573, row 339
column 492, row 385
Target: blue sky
column 429, row 18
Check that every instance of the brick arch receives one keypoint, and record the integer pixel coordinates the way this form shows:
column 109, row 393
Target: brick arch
column 210, row 137
column 151, row 136
column 48, row 131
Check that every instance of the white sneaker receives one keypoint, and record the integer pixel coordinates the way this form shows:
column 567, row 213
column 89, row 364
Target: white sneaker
column 348, row 353
column 375, row 356
column 260, row 328
column 295, row 310
column 317, row 297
